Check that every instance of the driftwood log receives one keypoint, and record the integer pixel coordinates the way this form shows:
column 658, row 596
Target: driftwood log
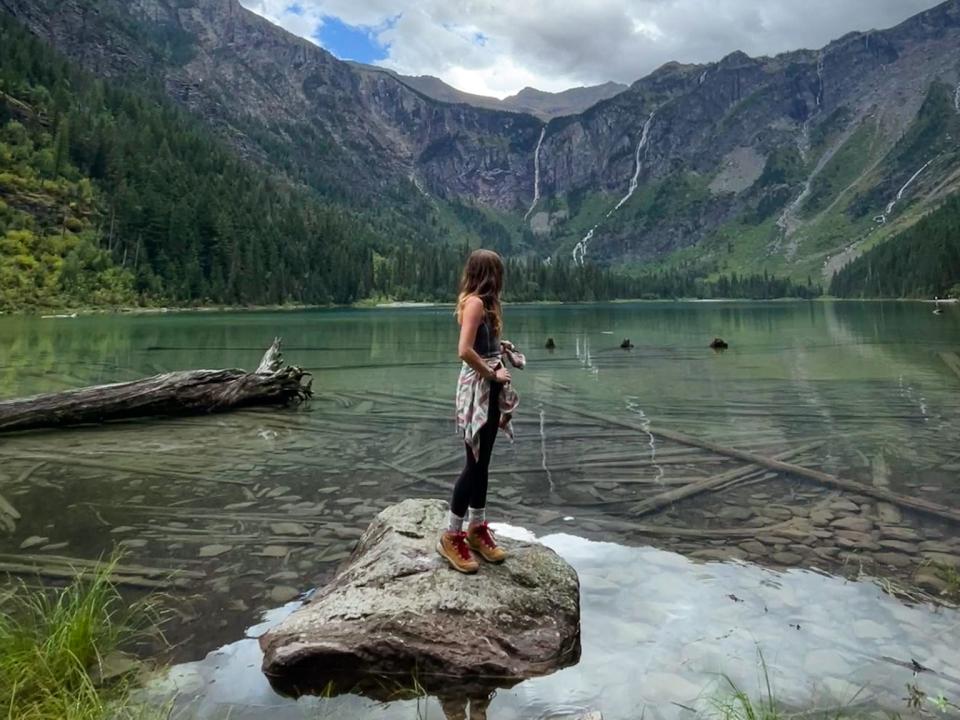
column 771, row 463
column 187, row 392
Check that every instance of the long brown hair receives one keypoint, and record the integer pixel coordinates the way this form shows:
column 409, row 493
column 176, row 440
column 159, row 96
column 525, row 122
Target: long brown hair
column 483, row 277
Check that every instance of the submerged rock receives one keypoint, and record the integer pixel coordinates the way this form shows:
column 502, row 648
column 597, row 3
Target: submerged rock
column 33, row 541
column 396, row 609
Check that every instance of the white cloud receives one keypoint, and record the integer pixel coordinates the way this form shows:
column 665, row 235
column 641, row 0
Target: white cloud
column 303, row 19
column 554, row 44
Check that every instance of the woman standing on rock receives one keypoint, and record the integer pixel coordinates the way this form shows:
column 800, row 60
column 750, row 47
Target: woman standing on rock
column 485, row 402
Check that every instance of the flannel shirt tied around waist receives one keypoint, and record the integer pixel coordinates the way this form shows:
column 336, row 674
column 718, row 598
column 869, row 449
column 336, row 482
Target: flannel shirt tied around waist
column 473, row 397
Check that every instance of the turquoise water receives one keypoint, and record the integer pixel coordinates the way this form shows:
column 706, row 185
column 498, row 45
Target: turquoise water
column 865, row 391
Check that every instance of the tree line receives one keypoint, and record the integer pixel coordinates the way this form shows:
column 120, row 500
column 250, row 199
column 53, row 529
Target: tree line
column 922, row 261
column 110, row 194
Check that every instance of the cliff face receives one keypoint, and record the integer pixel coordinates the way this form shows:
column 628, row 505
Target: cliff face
column 801, row 153
column 286, row 101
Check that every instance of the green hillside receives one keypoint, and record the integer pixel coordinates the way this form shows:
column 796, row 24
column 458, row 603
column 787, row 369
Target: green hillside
column 923, row 261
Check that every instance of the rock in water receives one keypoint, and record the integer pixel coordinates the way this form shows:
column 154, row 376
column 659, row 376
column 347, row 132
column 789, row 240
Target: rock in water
column 397, row 609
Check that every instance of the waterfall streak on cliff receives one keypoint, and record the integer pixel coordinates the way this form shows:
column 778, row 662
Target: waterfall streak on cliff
column 883, row 218
column 635, row 180
column 419, row 186
column 580, row 249
column 803, row 145
column 536, row 174
column 819, row 79
column 956, row 99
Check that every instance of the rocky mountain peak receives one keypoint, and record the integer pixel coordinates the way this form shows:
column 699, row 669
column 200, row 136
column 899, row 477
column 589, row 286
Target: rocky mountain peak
column 799, row 153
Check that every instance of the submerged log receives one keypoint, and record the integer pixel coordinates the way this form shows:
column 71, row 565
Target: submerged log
column 184, row 392
column 717, row 482
column 905, row 501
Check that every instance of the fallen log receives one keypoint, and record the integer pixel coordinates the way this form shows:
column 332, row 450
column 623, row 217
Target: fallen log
column 187, row 392
column 170, row 474
column 73, row 563
column 56, row 572
column 724, row 480
column 787, row 528
column 905, row 501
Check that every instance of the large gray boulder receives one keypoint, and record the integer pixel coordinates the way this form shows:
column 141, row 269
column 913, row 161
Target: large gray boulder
column 397, row 610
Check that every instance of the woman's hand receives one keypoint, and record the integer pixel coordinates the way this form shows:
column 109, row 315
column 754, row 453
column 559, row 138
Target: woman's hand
column 502, row 376
column 504, row 420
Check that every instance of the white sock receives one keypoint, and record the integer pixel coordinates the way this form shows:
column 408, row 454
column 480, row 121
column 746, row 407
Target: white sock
column 455, row 523
column 478, row 516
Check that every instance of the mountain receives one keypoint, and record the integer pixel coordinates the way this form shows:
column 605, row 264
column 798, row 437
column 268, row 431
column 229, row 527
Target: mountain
column 111, row 195
column 572, row 101
column 793, row 164
column 544, row 105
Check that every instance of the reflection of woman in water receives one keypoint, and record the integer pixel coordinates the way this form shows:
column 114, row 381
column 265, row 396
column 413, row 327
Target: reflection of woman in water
column 485, row 401
column 457, row 709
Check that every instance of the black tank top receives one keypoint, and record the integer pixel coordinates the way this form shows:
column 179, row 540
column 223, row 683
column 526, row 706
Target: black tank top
column 486, row 343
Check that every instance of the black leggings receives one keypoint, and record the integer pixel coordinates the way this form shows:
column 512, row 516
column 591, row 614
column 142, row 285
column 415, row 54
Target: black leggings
column 471, row 487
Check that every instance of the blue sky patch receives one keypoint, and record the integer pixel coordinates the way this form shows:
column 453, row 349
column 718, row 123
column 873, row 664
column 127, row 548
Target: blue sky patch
column 350, row 42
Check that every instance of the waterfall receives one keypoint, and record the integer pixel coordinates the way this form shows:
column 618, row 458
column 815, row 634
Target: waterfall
column 635, row 180
column 803, row 146
column 956, row 98
column 580, row 249
column 820, row 79
column 882, row 219
column 703, row 77
column 416, row 183
column 536, row 174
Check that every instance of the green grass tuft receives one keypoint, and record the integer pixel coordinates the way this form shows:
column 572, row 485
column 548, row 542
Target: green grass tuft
column 737, row 704
column 55, row 644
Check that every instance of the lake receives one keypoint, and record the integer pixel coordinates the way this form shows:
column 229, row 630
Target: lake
column 256, row 507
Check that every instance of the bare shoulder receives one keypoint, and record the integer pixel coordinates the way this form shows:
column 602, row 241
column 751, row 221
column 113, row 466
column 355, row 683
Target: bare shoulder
column 472, row 306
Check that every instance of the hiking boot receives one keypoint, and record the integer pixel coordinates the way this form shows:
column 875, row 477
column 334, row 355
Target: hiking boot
column 480, row 539
column 453, row 546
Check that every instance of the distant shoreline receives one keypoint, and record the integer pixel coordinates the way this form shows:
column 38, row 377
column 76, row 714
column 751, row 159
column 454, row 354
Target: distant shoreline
column 69, row 313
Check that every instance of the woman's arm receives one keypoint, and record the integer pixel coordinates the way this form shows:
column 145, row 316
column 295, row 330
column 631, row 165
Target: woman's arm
column 471, row 320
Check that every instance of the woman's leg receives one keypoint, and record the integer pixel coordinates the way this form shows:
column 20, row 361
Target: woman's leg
column 453, row 543
column 479, row 537
column 488, row 436
column 478, row 491
column 463, row 491
column 471, row 487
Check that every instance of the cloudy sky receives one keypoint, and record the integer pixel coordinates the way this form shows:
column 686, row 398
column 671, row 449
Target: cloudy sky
column 497, row 47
